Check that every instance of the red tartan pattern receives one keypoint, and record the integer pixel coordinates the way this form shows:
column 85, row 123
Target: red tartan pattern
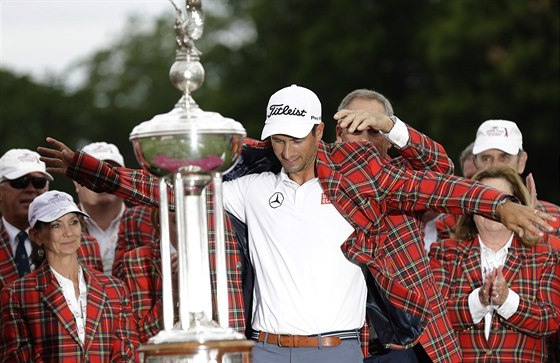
column 88, row 254
column 533, row 273
column 391, row 191
column 38, row 326
column 141, row 273
column 382, row 202
column 135, row 230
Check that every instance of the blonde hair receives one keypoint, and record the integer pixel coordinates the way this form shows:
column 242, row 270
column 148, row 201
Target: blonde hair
column 466, row 228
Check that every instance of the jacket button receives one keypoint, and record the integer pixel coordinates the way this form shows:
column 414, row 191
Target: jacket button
column 488, row 351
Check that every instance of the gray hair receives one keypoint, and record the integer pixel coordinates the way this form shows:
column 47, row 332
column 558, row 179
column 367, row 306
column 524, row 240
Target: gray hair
column 465, row 154
column 368, row 95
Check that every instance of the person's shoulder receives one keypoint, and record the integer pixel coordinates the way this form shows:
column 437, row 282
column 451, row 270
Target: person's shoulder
column 24, row 284
column 448, row 246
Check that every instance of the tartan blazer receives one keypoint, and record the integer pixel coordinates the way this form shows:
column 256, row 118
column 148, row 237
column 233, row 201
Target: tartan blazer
column 372, row 191
column 383, row 204
column 38, row 326
column 88, row 254
column 532, row 272
column 141, row 272
column 135, row 230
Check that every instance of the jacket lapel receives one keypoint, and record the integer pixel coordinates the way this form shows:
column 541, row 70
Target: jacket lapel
column 55, row 300
column 514, row 259
column 96, row 301
column 471, row 263
column 8, row 268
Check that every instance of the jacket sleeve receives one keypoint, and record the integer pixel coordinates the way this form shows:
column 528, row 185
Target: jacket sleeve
column 136, row 186
column 540, row 316
column 138, row 275
column 15, row 339
column 126, row 337
column 423, row 153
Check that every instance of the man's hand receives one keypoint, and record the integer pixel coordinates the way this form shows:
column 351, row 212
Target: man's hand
column 361, row 120
column 58, row 158
column 521, row 219
column 530, row 183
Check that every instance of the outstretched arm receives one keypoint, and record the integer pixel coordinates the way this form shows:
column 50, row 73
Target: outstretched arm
column 58, row 157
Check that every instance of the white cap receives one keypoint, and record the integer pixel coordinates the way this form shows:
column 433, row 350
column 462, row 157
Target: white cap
column 292, row 111
column 104, row 151
column 498, row 134
column 50, row 206
column 16, row 163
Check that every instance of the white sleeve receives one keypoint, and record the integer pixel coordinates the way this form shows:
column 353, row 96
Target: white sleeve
column 399, row 133
column 476, row 308
column 234, row 196
column 509, row 307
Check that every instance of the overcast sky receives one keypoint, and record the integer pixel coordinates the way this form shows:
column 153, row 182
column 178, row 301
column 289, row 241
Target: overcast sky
column 38, row 36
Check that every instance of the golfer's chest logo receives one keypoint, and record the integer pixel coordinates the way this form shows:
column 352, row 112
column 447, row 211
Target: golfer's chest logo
column 276, row 200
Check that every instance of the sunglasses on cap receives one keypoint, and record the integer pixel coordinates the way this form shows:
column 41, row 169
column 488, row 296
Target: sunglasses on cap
column 23, row 182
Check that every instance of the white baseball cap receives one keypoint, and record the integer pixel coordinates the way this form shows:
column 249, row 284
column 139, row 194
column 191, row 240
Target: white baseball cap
column 498, row 134
column 50, row 206
column 16, row 163
column 292, row 111
column 104, row 151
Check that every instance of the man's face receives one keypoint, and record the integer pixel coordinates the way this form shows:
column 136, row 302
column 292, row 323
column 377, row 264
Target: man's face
column 297, row 155
column 380, row 141
column 496, row 157
column 14, row 202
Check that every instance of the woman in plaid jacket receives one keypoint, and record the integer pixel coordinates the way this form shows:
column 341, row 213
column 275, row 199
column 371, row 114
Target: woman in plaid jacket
column 502, row 291
column 63, row 311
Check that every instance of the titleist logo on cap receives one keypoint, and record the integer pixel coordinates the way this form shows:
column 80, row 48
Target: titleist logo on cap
column 282, row 109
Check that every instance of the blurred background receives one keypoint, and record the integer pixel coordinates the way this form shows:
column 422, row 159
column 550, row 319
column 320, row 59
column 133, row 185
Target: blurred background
column 446, row 66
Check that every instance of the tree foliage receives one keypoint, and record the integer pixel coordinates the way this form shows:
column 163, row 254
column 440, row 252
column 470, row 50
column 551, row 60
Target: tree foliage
column 445, row 65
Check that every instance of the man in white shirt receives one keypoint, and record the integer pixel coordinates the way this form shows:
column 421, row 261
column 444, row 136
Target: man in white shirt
column 105, row 209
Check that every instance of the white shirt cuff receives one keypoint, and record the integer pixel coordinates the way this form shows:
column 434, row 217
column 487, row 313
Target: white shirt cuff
column 399, row 133
column 476, row 308
column 509, row 307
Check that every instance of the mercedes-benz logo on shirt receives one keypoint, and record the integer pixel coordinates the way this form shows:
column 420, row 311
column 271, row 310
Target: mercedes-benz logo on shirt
column 276, row 200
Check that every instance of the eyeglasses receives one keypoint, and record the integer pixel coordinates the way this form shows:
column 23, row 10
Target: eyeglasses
column 23, row 182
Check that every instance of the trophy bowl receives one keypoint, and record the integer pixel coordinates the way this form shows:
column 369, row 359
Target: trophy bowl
column 188, row 141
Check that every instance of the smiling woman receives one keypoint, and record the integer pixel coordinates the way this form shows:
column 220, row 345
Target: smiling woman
column 89, row 311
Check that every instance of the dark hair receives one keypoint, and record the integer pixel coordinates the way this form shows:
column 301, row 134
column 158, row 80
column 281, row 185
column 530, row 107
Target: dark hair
column 466, row 228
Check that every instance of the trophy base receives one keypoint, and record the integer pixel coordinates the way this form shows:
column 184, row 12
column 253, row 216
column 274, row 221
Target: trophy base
column 216, row 351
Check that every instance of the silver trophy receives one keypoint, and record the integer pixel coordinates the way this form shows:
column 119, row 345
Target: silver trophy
column 190, row 149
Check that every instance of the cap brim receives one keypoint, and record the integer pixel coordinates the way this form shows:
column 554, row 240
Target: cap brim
column 21, row 172
column 299, row 130
column 54, row 216
column 505, row 147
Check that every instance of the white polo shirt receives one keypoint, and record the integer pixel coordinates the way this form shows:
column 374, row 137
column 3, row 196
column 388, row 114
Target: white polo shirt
column 303, row 283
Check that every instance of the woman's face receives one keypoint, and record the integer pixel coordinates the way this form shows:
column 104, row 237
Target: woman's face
column 62, row 236
column 489, row 225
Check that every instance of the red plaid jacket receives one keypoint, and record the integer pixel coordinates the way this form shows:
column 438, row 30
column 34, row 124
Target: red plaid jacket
column 140, row 270
column 88, row 254
column 38, row 326
column 135, row 230
column 533, row 273
column 364, row 193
